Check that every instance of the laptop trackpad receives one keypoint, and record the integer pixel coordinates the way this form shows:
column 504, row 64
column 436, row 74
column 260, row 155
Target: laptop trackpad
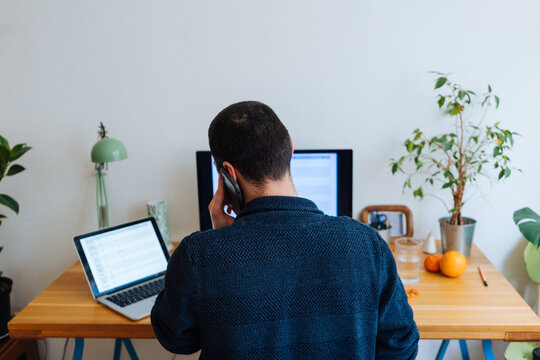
column 135, row 311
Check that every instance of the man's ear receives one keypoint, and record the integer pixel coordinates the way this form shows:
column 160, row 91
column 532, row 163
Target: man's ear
column 292, row 146
column 227, row 165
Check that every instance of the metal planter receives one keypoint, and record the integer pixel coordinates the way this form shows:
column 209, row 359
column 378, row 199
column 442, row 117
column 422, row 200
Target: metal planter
column 457, row 237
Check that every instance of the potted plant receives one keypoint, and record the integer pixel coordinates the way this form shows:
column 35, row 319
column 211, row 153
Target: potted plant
column 7, row 156
column 455, row 159
column 529, row 224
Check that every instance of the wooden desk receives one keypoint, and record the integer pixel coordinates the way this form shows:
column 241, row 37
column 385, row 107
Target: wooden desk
column 445, row 308
column 463, row 308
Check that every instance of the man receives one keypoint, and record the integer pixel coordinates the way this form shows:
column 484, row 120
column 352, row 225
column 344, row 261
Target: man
column 282, row 280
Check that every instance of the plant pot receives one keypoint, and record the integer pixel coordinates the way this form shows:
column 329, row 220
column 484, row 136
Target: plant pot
column 457, row 237
column 5, row 305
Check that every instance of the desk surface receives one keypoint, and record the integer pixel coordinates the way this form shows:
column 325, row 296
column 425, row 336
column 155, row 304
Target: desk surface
column 445, row 308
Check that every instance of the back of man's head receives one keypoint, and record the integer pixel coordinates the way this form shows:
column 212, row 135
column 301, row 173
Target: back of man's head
column 251, row 137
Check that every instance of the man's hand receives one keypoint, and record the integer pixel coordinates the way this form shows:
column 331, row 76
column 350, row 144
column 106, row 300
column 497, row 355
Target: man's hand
column 217, row 205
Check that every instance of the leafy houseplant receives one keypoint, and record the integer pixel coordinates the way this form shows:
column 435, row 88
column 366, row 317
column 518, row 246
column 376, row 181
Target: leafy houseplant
column 529, row 224
column 455, row 159
column 7, row 156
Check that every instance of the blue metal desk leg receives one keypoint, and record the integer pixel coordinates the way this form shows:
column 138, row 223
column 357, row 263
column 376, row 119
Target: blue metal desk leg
column 129, row 347
column 77, row 352
column 488, row 350
column 442, row 349
column 464, row 349
column 117, row 349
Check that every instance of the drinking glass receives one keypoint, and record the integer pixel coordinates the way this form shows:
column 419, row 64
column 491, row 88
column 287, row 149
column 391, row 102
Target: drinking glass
column 408, row 256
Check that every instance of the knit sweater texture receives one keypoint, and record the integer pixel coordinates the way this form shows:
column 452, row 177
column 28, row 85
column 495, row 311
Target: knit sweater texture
column 285, row 281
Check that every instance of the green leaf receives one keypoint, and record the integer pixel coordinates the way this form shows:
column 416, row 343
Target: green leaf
column 525, row 214
column 440, row 82
column 507, row 172
column 448, row 145
column 461, row 94
column 16, row 149
column 419, row 193
column 418, row 135
column 4, row 142
column 15, row 169
column 441, row 101
column 531, row 232
column 448, row 174
column 455, row 109
column 501, row 174
column 447, row 185
column 496, row 151
column 409, row 145
column 21, row 150
column 394, row 168
column 496, row 101
column 4, row 159
column 9, row 202
column 489, row 88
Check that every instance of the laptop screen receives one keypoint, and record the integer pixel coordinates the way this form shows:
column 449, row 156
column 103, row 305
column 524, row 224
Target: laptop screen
column 125, row 255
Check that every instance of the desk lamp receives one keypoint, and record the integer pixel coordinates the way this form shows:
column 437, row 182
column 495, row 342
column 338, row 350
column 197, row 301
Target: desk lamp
column 106, row 150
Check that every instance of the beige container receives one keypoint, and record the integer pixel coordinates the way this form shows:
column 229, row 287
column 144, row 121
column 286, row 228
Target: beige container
column 385, row 234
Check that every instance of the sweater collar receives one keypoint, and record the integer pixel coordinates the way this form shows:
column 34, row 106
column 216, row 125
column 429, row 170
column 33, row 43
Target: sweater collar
column 272, row 203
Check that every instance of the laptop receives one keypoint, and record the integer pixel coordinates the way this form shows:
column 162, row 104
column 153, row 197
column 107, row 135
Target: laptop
column 125, row 266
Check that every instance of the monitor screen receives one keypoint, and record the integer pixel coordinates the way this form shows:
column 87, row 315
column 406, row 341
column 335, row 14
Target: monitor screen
column 323, row 176
column 123, row 256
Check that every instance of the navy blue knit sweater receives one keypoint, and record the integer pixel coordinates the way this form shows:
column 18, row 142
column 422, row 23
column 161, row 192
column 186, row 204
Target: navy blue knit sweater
column 285, row 281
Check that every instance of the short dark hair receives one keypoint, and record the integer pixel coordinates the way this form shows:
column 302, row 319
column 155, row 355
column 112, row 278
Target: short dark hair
column 251, row 137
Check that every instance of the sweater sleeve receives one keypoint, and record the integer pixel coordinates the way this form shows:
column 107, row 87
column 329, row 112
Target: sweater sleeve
column 173, row 315
column 397, row 335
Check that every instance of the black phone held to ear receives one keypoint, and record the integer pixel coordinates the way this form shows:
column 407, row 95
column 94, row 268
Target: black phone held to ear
column 232, row 191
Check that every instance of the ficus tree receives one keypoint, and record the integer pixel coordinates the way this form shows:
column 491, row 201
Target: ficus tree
column 453, row 160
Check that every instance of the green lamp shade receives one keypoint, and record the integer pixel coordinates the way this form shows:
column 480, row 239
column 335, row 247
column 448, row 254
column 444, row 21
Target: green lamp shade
column 108, row 150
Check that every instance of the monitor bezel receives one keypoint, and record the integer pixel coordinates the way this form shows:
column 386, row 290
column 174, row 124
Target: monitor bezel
column 345, row 181
column 86, row 267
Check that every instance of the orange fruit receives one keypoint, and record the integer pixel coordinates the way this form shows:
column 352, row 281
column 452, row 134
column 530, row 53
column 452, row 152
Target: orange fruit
column 453, row 264
column 432, row 263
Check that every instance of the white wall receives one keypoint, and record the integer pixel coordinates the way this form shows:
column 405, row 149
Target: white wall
column 346, row 74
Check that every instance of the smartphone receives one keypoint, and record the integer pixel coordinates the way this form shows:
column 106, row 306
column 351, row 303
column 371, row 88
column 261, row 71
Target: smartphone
column 232, row 191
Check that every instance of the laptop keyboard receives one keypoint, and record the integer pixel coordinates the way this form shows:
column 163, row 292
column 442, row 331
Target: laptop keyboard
column 138, row 293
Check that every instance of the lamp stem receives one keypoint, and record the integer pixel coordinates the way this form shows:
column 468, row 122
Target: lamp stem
column 98, row 191
column 106, row 199
column 101, row 198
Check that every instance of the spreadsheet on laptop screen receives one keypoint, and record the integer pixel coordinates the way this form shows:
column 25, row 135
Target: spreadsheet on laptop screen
column 125, row 255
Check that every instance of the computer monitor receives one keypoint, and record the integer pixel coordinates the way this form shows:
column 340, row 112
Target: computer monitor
column 323, row 176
